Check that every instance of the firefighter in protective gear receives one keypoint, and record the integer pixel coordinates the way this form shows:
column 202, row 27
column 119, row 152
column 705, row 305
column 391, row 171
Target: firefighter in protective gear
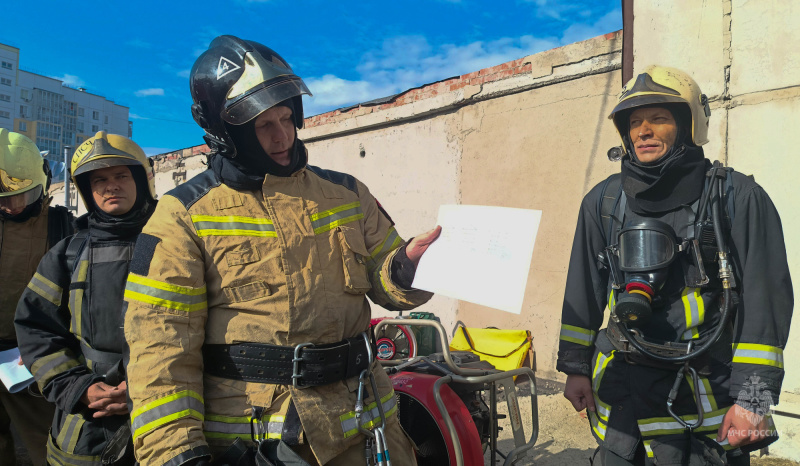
column 28, row 228
column 247, row 297
column 662, row 118
column 69, row 319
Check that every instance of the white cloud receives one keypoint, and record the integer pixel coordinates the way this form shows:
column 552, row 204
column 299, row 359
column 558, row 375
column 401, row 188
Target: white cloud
column 610, row 22
column 410, row 61
column 184, row 73
column 134, row 116
column 71, row 80
column 149, row 92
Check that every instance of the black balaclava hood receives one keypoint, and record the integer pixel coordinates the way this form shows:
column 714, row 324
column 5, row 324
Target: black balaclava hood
column 125, row 225
column 674, row 180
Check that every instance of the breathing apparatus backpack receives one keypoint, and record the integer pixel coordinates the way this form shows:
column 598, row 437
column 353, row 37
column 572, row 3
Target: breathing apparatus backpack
column 611, row 209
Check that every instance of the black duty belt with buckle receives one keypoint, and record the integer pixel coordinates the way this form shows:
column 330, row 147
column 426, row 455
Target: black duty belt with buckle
column 304, row 365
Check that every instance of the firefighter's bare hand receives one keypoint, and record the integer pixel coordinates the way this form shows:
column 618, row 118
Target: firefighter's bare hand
column 106, row 400
column 417, row 247
column 579, row 392
column 737, row 426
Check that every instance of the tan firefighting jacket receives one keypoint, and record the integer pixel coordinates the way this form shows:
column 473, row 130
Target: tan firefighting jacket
column 287, row 265
column 22, row 245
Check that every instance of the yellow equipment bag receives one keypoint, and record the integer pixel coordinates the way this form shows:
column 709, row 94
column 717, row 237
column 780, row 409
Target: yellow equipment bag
column 504, row 349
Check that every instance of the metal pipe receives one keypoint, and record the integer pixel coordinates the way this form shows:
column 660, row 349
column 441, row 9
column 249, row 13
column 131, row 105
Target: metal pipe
column 66, row 177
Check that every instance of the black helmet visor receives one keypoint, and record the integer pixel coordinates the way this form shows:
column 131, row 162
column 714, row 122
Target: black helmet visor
column 262, row 97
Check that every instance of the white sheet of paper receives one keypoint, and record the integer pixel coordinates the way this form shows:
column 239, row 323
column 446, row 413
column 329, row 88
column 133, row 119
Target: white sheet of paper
column 482, row 256
column 13, row 376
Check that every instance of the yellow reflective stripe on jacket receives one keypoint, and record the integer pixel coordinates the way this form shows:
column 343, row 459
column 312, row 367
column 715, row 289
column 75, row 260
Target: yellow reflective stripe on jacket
column 694, row 310
column 330, row 219
column 46, row 368
column 76, row 295
column 752, row 353
column 165, row 410
column 162, row 294
column 233, row 225
column 370, row 417
column 599, row 419
column 227, row 427
column 391, row 242
column 612, row 301
column 67, row 437
column 45, row 288
column 707, row 399
column 57, row 457
column 581, row 336
column 658, row 426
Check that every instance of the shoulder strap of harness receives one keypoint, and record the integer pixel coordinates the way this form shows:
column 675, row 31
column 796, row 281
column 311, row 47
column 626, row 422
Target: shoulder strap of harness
column 611, row 196
column 612, row 203
column 75, row 247
column 59, row 224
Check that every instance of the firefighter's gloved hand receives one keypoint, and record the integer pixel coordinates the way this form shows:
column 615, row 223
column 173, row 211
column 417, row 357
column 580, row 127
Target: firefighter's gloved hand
column 739, row 428
column 417, row 246
column 579, row 392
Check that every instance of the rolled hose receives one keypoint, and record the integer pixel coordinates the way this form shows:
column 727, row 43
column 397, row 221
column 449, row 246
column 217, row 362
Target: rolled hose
column 726, row 296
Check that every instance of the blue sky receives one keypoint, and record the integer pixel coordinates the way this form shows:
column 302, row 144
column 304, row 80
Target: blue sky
column 138, row 54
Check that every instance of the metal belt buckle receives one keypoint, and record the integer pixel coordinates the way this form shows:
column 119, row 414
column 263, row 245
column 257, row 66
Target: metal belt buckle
column 296, row 365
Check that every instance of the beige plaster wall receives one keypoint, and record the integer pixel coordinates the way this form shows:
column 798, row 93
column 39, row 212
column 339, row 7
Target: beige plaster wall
column 683, row 34
column 543, row 149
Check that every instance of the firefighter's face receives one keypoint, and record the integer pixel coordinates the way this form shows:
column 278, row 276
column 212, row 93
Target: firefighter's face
column 653, row 131
column 113, row 189
column 275, row 132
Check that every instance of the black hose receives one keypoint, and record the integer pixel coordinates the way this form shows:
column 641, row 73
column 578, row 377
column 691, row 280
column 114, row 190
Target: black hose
column 726, row 292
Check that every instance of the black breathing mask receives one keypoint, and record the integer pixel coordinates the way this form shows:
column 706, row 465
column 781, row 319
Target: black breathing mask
column 639, row 264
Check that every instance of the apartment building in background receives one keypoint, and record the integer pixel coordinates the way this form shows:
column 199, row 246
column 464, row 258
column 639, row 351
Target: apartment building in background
column 51, row 113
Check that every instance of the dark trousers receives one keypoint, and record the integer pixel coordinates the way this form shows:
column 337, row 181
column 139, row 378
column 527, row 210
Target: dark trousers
column 31, row 416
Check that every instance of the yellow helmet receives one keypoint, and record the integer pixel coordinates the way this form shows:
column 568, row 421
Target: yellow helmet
column 109, row 150
column 662, row 85
column 24, row 174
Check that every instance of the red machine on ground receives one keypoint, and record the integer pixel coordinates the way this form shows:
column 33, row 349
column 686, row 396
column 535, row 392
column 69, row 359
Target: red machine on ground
column 448, row 401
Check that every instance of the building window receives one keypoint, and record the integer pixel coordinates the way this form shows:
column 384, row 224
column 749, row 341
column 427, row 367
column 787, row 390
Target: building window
column 24, row 94
column 5, row 81
column 8, row 66
column 23, row 126
column 23, row 111
column 95, row 115
column 80, row 126
column 95, row 128
column 106, row 119
column 4, row 114
column 78, row 140
column 80, row 111
column 5, row 98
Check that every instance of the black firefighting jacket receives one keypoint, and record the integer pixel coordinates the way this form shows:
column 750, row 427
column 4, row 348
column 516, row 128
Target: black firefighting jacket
column 760, row 323
column 69, row 328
